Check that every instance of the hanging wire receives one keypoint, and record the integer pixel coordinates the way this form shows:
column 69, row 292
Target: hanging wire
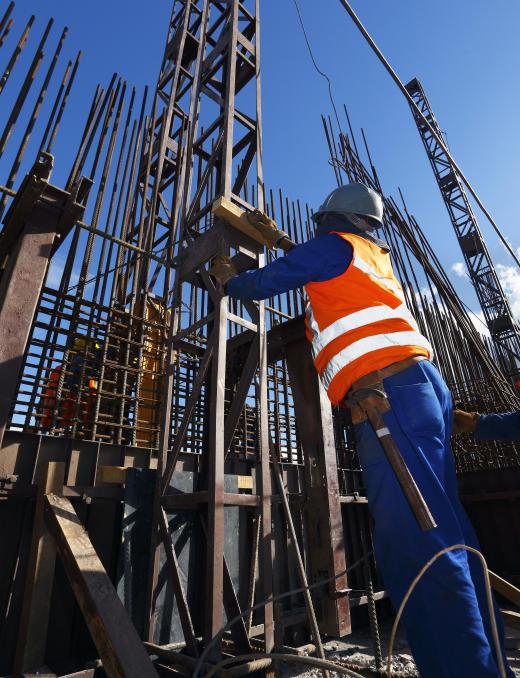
column 318, row 69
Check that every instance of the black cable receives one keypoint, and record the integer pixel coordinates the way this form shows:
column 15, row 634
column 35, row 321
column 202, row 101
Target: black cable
column 273, row 599
column 323, row 75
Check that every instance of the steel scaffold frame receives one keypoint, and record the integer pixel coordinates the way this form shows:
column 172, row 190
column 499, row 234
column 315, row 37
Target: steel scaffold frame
column 185, row 379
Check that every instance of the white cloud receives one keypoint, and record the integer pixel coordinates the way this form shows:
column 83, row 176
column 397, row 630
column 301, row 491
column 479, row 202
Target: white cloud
column 426, row 295
column 459, row 269
column 509, row 276
column 516, row 251
column 55, row 273
column 477, row 318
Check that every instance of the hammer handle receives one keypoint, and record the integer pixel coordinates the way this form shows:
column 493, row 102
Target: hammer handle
column 406, row 481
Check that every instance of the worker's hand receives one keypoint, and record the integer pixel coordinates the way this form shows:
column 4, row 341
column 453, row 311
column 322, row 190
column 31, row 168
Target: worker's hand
column 464, row 422
column 222, row 269
column 267, row 228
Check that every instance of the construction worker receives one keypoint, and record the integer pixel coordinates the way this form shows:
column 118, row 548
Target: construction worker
column 502, row 426
column 69, row 392
column 362, row 334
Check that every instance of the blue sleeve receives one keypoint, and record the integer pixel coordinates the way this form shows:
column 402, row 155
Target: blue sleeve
column 504, row 426
column 316, row 260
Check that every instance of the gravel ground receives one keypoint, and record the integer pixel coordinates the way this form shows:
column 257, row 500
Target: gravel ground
column 356, row 651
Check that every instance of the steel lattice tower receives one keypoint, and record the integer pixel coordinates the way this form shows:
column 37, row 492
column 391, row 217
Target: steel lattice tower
column 204, row 143
column 495, row 306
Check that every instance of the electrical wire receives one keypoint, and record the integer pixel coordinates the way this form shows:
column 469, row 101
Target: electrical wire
column 489, row 597
column 273, row 599
column 318, row 69
column 326, row 664
column 289, row 658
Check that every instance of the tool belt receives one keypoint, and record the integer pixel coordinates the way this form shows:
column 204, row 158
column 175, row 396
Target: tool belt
column 368, row 392
column 367, row 399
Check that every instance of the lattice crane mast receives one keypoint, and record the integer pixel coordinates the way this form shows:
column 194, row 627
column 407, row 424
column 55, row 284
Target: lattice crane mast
column 493, row 301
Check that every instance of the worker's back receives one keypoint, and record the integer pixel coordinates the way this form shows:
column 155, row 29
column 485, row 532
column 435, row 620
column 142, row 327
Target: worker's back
column 358, row 322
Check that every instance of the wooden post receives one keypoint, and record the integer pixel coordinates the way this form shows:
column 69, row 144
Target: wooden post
column 505, row 588
column 32, row 637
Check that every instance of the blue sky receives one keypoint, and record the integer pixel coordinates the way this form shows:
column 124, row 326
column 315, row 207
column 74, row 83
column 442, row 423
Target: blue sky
column 464, row 53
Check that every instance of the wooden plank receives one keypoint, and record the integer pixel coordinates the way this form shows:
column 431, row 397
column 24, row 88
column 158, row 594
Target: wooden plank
column 349, row 499
column 111, row 474
column 245, row 482
column 236, row 217
column 363, row 600
column 511, row 618
column 32, row 636
column 505, row 589
column 116, row 639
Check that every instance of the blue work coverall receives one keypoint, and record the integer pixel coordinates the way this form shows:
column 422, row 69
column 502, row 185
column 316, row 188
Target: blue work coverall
column 503, row 426
column 446, row 618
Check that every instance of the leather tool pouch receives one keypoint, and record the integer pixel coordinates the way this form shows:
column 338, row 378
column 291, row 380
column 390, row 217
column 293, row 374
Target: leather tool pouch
column 372, row 397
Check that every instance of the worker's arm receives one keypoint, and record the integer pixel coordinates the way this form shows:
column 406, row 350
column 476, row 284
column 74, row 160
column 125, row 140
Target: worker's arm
column 316, row 260
column 505, row 426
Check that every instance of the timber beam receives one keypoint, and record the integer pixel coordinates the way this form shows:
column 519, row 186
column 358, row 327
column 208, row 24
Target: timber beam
column 119, row 647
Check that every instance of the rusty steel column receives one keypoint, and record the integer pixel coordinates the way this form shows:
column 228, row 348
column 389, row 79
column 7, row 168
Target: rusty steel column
column 40, row 215
column 323, row 508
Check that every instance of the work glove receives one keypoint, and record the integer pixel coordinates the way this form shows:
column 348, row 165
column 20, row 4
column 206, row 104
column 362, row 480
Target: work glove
column 267, row 228
column 223, row 269
column 464, row 422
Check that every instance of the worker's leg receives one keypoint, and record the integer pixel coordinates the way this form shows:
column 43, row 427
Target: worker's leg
column 442, row 618
column 470, row 537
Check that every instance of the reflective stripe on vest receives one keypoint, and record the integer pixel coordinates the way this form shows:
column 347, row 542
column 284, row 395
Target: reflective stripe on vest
column 374, row 343
column 391, row 283
column 366, row 316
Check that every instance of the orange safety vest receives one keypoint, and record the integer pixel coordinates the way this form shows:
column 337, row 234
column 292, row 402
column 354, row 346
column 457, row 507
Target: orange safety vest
column 358, row 322
column 49, row 402
column 68, row 402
